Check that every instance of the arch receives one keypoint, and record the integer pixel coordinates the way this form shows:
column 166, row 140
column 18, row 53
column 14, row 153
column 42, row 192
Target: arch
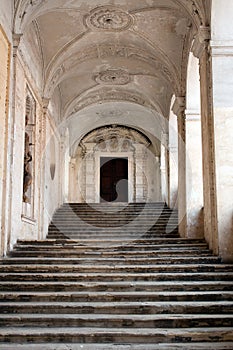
column 115, row 141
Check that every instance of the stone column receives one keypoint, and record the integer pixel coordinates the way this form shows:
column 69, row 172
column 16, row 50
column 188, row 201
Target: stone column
column 201, row 49
column 179, row 109
column 173, row 161
column 222, row 68
column 165, row 169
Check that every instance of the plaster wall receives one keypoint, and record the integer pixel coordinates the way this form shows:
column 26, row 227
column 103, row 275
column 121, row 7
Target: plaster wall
column 52, row 173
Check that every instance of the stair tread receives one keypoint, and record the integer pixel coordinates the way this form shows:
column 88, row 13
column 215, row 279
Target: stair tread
column 112, row 346
column 21, row 316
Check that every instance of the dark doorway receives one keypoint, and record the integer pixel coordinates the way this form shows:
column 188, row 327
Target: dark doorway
column 113, row 179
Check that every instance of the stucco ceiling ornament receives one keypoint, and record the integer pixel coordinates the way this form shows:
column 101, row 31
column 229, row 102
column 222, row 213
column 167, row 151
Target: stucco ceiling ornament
column 113, row 77
column 108, row 18
column 114, row 113
column 109, row 95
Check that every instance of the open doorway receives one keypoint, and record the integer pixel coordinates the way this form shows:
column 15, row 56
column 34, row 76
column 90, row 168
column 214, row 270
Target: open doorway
column 113, row 179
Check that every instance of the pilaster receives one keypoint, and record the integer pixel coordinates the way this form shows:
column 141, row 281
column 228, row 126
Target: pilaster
column 201, row 49
column 179, row 110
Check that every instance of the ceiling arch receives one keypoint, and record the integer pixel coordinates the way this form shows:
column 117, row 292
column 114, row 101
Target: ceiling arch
column 110, row 50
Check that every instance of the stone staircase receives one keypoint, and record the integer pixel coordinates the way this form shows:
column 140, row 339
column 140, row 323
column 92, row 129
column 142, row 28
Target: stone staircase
column 115, row 277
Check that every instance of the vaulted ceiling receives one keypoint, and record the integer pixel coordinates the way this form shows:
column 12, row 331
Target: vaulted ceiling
column 109, row 54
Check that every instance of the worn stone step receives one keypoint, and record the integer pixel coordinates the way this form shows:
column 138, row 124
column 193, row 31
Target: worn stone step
column 108, row 285
column 112, row 260
column 106, row 268
column 115, row 321
column 74, row 235
column 54, row 242
column 136, row 253
column 111, row 346
column 118, row 276
column 87, row 246
column 102, row 307
column 119, row 335
column 126, row 248
column 108, row 296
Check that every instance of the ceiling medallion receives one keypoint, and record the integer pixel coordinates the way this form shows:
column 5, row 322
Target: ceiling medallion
column 108, row 18
column 113, row 77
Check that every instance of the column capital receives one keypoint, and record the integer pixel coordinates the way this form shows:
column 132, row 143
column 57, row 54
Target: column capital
column 16, row 41
column 179, row 106
column 201, row 40
column 164, row 139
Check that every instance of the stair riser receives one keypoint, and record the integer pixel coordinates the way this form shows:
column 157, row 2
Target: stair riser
column 159, row 308
column 110, row 322
column 107, row 286
column 144, row 297
column 113, row 261
column 112, row 269
column 131, row 254
column 117, row 277
column 155, row 337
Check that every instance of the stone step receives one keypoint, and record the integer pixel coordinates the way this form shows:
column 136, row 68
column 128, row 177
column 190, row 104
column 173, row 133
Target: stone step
column 118, row 276
column 108, row 296
column 106, row 268
column 87, row 246
column 108, row 285
column 116, row 335
column 115, row 321
column 166, row 253
column 69, row 236
column 112, row 260
column 111, row 346
column 120, row 307
column 151, row 240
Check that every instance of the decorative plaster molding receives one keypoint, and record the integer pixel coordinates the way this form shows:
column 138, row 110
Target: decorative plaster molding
column 114, row 113
column 201, row 40
column 106, row 51
column 108, row 18
column 115, row 136
column 113, row 77
column 107, row 95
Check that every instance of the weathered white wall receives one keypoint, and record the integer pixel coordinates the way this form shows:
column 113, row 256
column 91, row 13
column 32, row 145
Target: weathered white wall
column 222, row 63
